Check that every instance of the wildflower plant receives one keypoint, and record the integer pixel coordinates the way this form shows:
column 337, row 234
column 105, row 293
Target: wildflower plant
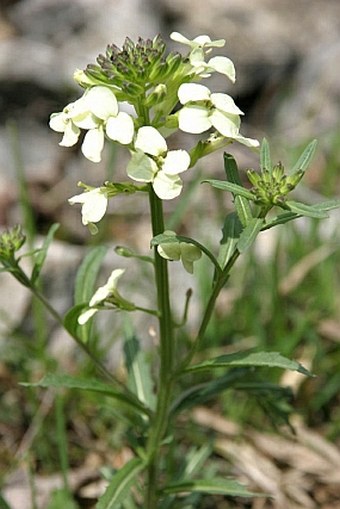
column 138, row 96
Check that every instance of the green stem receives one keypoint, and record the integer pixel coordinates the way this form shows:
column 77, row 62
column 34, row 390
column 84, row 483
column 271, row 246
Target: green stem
column 219, row 284
column 159, row 423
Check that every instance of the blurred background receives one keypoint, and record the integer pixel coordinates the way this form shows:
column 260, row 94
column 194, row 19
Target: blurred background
column 287, row 58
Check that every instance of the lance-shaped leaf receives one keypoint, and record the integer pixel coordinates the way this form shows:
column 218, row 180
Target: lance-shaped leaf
column 265, row 159
column 305, row 158
column 249, row 234
column 235, row 189
column 250, row 358
column 42, row 253
column 216, row 486
column 328, row 204
column 70, row 382
column 306, row 210
column 87, row 275
column 280, row 219
column 120, row 485
column 230, row 235
column 139, row 376
column 241, row 203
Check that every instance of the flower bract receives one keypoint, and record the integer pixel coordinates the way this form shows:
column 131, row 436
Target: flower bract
column 153, row 162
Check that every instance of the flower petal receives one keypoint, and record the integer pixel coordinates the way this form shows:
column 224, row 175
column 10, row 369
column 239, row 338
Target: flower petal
column 169, row 251
column 106, row 290
column 84, row 317
column 141, row 167
column 71, row 135
column 225, row 103
column 190, row 252
column 176, row 161
column 94, row 205
column 248, row 142
column 85, row 120
column 176, row 36
column 223, row 65
column 93, row 145
column 102, row 102
column 189, row 92
column 166, row 186
column 58, row 122
column 150, row 141
column 194, row 119
column 120, row 128
column 226, row 124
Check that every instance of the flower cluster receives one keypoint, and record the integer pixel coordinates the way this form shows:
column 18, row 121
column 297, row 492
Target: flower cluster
column 96, row 111
column 152, row 84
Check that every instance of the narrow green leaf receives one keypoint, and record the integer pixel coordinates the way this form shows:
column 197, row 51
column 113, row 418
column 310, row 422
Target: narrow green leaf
column 265, row 159
column 139, row 375
column 71, row 322
column 241, row 203
column 61, row 498
column 280, row 219
column 87, row 275
column 70, row 382
column 306, row 210
column 120, row 485
column 328, row 204
column 235, row 189
column 249, row 234
column 250, row 358
column 230, row 235
column 202, row 393
column 42, row 252
column 216, row 486
column 305, row 158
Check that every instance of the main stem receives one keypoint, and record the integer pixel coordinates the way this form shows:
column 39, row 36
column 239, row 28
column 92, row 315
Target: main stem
column 166, row 345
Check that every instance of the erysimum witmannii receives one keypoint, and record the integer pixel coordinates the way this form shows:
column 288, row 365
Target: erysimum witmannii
column 200, row 46
column 106, row 293
column 94, row 205
column 97, row 111
column 153, row 162
column 203, row 110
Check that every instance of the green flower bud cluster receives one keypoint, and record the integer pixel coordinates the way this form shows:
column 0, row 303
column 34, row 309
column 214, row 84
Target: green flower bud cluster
column 271, row 187
column 135, row 67
column 10, row 242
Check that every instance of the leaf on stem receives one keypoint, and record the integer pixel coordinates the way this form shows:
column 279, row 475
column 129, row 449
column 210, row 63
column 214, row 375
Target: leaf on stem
column 250, row 358
column 70, row 382
column 42, row 253
column 87, row 275
column 230, row 236
column 306, row 210
column 120, row 485
column 216, row 486
column 235, row 189
column 241, row 203
column 305, row 158
column 139, row 376
column 265, row 159
column 249, row 234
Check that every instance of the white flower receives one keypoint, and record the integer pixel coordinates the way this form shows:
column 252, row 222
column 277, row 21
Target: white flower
column 103, row 292
column 96, row 111
column 203, row 110
column 200, row 46
column 153, row 162
column 175, row 251
column 94, row 205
